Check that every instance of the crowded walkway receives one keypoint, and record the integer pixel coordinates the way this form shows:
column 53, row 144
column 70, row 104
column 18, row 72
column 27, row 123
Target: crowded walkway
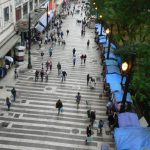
column 33, row 119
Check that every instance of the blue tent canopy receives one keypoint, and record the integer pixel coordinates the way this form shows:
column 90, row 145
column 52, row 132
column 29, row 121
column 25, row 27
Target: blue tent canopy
column 114, row 78
column 115, row 87
column 119, row 95
column 110, row 62
column 128, row 119
column 112, row 69
column 111, row 45
column 98, row 29
column 132, row 138
column 102, row 39
column 111, row 55
column 106, row 50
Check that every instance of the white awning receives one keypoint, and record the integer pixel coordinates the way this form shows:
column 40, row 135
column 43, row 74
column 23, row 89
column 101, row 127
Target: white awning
column 43, row 21
column 8, row 45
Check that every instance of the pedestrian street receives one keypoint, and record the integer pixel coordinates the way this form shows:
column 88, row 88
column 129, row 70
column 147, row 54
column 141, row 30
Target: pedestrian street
column 32, row 122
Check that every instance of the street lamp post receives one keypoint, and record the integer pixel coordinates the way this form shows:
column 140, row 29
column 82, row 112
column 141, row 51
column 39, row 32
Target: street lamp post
column 109, row 41
column 96, row 13
column 127, row 67
column 47, row 19
column 101, row 24
column 29, row 42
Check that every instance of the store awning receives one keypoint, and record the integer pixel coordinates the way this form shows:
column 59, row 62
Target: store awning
column 22, row 25
column 8, row 45
column 42, row 23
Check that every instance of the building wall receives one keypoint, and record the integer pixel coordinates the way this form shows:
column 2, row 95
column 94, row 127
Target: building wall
column 6, row 19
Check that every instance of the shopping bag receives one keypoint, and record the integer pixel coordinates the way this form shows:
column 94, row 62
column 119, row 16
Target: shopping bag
column 61, row 109
column 89, row 139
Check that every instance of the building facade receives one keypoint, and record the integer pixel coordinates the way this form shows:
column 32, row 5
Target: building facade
column 6, row 19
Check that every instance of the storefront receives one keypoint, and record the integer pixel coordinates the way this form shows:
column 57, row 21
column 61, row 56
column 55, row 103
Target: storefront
column 7, row 53
column 18, row 13
column 22, row 25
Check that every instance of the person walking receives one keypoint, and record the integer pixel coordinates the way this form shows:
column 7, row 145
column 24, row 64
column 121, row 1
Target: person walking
column 59, row 68
column 88, row 78
column 74, row 51
column 64, row 74
column 78, row 99
column 88, row 133
column 81, row 58
column 50, row 65
column 15, row 73
column 62, row 34
column 93, row 117
column 42, row 54
column 13, row 92
column 47, row 65
column 36, row 75
column 50, row 51
column 74, row 60
column 59, row 105
column 84, row 58
column 46, row 76
column 42, row 75
column 8, row 103
column 67, row 32
column 82, row 32
column 88, row 42
column 100, row 126
column 39, row 43
column 46, row 40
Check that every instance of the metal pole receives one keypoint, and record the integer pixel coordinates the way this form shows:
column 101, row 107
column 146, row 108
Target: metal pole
column 101, row 28
column 29, row 38
column 128, row 80
column 109, row 42
column 47, row 19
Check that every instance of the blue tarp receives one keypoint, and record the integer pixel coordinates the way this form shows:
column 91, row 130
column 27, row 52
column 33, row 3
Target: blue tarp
column 114, row 78
column 102, row 39
column 119, row 95
column 132, row 138
column 106, row 50
column 111, row 56
column 111, row 45
column 98, row 29
column 128, row 119
column 115, row 87
column 110, row 62
column 112, row 69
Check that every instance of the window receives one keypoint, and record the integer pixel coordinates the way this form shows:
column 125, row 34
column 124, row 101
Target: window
column 6, row 13
column 25, row 8
column 31, row 5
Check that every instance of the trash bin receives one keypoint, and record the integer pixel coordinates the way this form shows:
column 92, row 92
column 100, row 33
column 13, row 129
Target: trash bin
column 19, row 54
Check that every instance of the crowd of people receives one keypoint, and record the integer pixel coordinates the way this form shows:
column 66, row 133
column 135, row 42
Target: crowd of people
column 57, row 37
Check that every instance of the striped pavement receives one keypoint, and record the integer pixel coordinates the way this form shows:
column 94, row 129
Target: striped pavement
column 32, row 123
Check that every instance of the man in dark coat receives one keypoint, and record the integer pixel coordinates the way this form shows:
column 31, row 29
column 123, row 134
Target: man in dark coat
column 59, row 105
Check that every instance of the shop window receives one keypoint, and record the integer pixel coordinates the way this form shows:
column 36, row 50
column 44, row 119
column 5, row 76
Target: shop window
column 25, row 9
column 6, row 14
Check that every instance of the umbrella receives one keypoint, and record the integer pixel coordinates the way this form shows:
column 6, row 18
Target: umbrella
column 20, row 47
column 9, row 58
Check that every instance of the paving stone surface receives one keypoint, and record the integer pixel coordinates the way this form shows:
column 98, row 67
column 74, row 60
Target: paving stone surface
column 35, row 124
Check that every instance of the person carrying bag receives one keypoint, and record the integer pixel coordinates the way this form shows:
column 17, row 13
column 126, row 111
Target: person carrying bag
column 59, row 105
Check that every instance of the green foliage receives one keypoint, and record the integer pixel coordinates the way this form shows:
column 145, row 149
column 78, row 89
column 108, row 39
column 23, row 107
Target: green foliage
column 131, row 24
